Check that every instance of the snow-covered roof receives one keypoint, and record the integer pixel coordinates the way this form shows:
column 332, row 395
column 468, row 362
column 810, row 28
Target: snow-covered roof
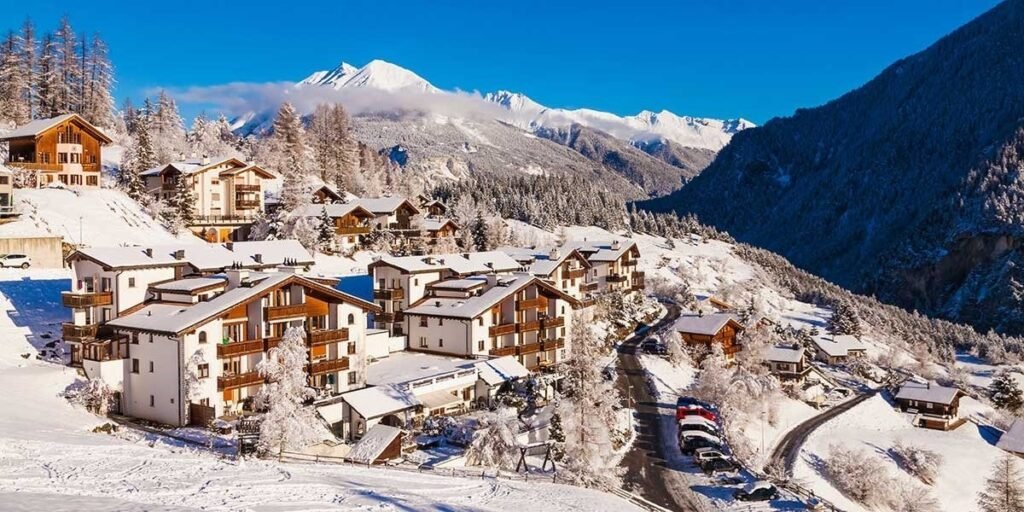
column 201, row 256
column 368, row 449
column 190, row 284
column 500, row 370
column 33, row 128
column 460, row 284
column 459, row 263
column 602, row 251
column 334, row 210
column 542, row 261
column 332, row 413
column 437, row 224
column 1013, row 439
column 377, row 401
column 409, row 366
column 381, row 205
column 783, row 354
column 5, row 171
column 188, row 165
column 438, row 399
column 927, row 392
column 708, row 324
column 838, row 346
column 471, row 307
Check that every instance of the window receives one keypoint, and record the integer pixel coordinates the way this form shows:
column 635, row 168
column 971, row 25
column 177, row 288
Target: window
column 5, row 180
column 440, row 342
column 415, row 282
column 480, row 320
column 215, row 182
column 203, row 370
column 202, row 336
column 151, row 367
column 135, row 338
column 152, row 401
column 131, row 282
column 423, row 321
column 480, row 345
column 135, row 366
column 440, row 322
column 62, row 158
column 353, row 378
column 351, row 319
column 92, row 181
column 215, row 196
column 423, row 341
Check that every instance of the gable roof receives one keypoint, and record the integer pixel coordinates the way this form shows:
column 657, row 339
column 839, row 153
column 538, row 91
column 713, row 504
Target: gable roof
column 371, row 446
column 471, row 307
column 603, row 251
column 539, row 261
column 459, row 263
column 1013, row 439
column 204, row 257
column 438, row 224
column 927, row 392
column 34, row 128
column 708, row 325
column 334, row 210
column 195, row 165
column 381, row 205
column 838, row 346
column 784, row 354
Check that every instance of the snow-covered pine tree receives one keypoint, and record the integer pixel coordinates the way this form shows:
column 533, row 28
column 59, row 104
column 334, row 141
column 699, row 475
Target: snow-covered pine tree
column 138, row 157
column 325, row 231
column 1004, row 391
column 494, row 443
column 289, row 151
column 288, row 423
column 589, row 412
column 479, row 231
column 166, row 128
column 334, row 149
column 28, row 63
column 69, row 66
column 48, row 79
column 845, row 319
column 1004, row 490
column 185, row 201
column 98, row 84
column 193, row 384
column 13, row 81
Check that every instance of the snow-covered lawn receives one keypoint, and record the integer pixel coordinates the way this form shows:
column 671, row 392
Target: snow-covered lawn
column 968, row 452
column 50, row 459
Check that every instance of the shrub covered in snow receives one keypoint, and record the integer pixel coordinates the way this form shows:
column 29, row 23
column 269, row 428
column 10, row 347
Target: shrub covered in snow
column 95, row 395
column 858, row 475
column 919, row 462
column 494, row 443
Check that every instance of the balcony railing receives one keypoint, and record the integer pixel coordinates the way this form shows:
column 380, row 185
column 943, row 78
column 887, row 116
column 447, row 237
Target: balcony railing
column 556, row 343
column 352, row 230
column 390, row 318
column 246, row 204
column 278, row 312
column 329, row 366
column 629, row 263
column 211, row 220
column 32, row 166
column 617, row 278
column 548, row 323
column 239, row 348
column 503, row 351
column 239, row 380
column 528, row 348
column 589, row 287
column 328, row 336
column 85, row 300
column 588, row 302
column 79, row 333
column 502, row 329
column 539, row 302
column 575, row 273
column 389, row 294
column 241, row 187
column 106, row 350
column 528, row 326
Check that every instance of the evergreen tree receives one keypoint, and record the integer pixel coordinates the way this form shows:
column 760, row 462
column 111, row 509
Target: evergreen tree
column 29, row 70
column 845, row 319
column 289, row 146
column 325, row 231
column 479, row 232
column 129, row 115
column 167, row 128
column 98, row 83
column 288, row 422
column 69, row 74
column 13, row 81
column 1004, row 490
column 1005, row 392
column 334, row 149
column 138, row 157
column 185, row 201
column 48, row 80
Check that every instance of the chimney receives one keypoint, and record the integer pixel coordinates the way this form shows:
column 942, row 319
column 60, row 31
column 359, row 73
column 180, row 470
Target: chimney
column 554, row 254
column 179, row 254
column 148, row 251
column 492, row 280
column 616, row 245
column 258, row 257
column 437, row 303
column 205, row 160
column 230, row 246
column 237, row 276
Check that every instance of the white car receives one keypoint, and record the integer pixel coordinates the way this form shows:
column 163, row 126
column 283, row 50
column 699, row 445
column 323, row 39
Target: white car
column 15, row 261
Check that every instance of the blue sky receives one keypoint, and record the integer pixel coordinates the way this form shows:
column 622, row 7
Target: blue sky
column 728, row 58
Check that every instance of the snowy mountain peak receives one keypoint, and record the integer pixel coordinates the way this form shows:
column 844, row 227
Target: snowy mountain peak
column 514, row 101
column 376, row 74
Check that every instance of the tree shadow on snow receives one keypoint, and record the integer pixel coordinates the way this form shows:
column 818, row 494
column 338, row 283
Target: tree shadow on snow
column 400, row 504
column 37, row 306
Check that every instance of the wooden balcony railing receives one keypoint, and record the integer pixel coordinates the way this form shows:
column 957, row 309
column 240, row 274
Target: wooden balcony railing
column 629, row 263
column 528, row 348
column 588, row 302
column 79, row 333
column 32, row 166
column 548, row 323
column 389, row 294
column 106, row 350
column 503, row 351
column 246, row 204
column 239, row 380
column 329, row 366
column 502, row 329
column 277, row 312
column 552, row 344
column 93, row 167
column 241, row 187
column 218, row 220
column 539, row 302
column 390, row 318
column 528, row 326
column 616, row 278
column 328, row 336
column 85, row 300
column 576, row 273
column 240, row 348
column 589, row 287
column 352, row 230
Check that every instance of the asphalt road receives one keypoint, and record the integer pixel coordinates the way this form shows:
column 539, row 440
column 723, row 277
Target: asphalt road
column 649, row 466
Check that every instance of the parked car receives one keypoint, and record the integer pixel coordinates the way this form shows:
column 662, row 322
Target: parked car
column 760, row 490
column 705, row 454
column 653, row 345
column 690, row 441
column 712, row 466
column 15, row 261
column 699, row 423
column 689, row 406
column 684, row 413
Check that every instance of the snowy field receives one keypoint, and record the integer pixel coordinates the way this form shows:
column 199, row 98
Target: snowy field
column 51, row 460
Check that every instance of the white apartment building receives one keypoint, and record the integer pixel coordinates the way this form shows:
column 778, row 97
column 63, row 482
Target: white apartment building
column 612, row 265
column 228, row 191
column 401, row 281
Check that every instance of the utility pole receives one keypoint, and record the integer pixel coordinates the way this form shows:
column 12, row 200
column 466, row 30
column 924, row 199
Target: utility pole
column 80, row 231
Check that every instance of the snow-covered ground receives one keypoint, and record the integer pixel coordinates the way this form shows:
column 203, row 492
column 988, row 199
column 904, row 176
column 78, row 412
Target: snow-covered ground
column 51, row 459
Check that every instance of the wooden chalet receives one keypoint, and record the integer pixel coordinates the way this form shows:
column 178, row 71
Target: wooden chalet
column 935, row 406
column 65, row 149
column 709, row 330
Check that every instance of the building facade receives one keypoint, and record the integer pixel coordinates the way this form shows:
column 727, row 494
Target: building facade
column 64, row 149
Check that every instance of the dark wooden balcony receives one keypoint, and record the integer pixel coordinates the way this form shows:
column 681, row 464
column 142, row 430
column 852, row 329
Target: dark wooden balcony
column 277, row 312
column 33, row 166
column 329, row 366
column 552, row 344
column 389, row 294
column 352, row 230
column 529, row 326
column 589, row 287
column 548, row 323
column 106, row 350
column 617, row 278
column 247, row 188
column 328, row 336
column 246, row 204
column 588, row 302
column 539, row 302
column 528, row 348
column 576, row 273
column 85, row 300
column 502, row 329
column 629, row 263
column 239, row 380
column 240, row 348
column 503, row 351
column 390, row 318
column 79, row 333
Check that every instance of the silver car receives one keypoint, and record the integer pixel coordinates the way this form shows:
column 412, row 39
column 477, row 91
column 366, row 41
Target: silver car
column 15, row 261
